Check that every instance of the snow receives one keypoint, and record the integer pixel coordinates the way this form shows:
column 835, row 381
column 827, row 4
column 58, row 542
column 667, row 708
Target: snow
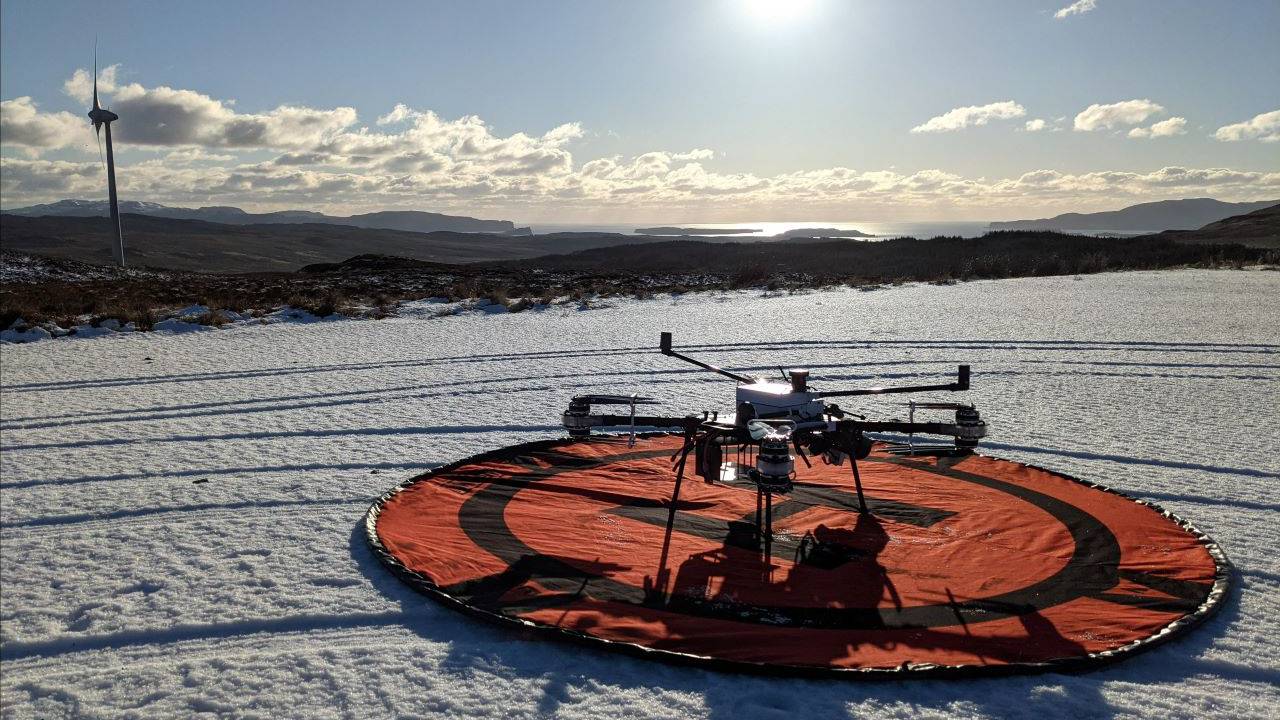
column 181, row 515
column 298, row 315
column 20, row 336
column 190, row 312
column 174, row 325
column 88, row 331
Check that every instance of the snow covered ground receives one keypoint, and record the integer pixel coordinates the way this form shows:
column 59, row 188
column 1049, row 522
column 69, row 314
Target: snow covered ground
column 180, row 515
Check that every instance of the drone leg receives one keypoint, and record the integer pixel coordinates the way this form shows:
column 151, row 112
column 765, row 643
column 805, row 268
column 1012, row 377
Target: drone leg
column 684, row 455
column 857, row 483
column 759, row 516
column 768, row 522
column 768, row 536
column 658, row 592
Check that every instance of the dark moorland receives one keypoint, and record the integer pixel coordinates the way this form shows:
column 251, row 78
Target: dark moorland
column 65, row 292
column 198, row 245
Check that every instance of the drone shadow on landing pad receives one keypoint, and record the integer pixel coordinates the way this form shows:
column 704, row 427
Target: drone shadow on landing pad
column 573, row 669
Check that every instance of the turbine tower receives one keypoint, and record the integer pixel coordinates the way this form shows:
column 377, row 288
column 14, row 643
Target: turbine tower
column 103, row 117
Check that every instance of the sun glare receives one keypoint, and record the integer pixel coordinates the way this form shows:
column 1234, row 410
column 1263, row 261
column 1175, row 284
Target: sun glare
column 777, row 11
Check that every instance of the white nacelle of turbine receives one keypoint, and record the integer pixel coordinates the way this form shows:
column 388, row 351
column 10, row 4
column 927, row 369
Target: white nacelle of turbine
column 778, row 400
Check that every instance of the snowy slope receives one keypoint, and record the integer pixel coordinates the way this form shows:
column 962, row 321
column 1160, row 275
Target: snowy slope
column 180, row 514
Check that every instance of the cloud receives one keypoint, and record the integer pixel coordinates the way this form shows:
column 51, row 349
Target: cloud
column 182, row 147
column 80, row 84
column 643, row 185
column 164, row 116
column 1079, row 7
column 23, row 125
column 1164, row 128
column 1264, row 127
column 963, row 117
column 398, row 114
column 50, row 179
column 1129, row 112
column 186, row 156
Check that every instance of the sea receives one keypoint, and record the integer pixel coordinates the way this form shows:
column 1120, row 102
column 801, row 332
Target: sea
column 767, row 229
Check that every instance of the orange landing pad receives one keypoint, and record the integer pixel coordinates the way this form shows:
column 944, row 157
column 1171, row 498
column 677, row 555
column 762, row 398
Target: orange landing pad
column 964, row 565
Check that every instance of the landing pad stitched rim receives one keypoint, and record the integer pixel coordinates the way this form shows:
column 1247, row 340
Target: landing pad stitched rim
column 1213, row 601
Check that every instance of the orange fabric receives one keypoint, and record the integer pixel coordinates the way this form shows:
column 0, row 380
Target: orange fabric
column 963, row 561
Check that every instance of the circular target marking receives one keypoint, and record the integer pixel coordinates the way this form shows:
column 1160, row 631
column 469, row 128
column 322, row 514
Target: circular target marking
column 964, row 565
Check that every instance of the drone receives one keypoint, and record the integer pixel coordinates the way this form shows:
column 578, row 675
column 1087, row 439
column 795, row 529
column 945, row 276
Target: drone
column 773, row 419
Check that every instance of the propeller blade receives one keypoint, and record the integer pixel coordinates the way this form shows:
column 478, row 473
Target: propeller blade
column 758, row 429
column 615, row 400
column 935, row 405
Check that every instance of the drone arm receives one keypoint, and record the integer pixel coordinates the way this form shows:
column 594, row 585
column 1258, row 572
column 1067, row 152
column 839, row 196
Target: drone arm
column 665, row 347
column 581, row 423
column 640, row 420
column 961, row 383
column 966, row 432
column 893, row 426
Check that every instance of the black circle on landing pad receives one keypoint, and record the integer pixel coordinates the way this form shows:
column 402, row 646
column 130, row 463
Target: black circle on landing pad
column 970, row 565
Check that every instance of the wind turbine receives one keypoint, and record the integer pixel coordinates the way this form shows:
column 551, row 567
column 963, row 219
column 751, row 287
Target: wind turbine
column 103, row 117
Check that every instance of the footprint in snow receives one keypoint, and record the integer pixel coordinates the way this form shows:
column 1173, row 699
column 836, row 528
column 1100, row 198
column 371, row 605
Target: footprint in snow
column 146, row 587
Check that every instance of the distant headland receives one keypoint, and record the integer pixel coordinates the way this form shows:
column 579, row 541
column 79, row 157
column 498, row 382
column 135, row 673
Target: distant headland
column 824, row 233
column 668, row 230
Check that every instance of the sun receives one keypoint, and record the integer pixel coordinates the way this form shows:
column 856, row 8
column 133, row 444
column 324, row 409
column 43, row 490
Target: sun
column 777, row 11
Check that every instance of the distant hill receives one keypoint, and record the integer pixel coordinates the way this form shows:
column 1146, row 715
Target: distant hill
column 1259, row 229
column 198, row 245
column 999, row 254
column 1188, row 214
column 407, row 220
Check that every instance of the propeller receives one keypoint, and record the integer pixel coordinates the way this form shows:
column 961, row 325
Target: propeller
column 616, row 400
column 935, row 405
column 759, row 429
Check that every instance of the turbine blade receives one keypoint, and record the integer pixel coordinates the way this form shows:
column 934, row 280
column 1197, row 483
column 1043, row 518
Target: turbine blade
column 95, row 73
column 97, row 127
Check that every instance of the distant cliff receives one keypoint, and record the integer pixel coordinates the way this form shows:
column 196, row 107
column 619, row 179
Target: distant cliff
column 1188, row 214
column 407, row 220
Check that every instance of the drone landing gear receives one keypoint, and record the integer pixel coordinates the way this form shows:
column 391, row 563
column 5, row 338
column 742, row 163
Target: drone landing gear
column 857, row 484
column 656, row 591
column 764, row 520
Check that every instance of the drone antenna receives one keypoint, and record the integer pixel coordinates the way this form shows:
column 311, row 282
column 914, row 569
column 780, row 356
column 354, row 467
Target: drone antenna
column 664, row 345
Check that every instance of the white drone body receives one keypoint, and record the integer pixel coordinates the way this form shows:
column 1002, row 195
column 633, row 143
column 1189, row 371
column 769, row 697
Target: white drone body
column 782, row 401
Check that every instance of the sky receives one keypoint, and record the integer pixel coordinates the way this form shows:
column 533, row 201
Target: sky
column 658, row 111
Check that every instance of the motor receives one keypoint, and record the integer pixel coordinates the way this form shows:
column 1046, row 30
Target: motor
column 775, row 466
column 969, row 427
column 576, row 419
